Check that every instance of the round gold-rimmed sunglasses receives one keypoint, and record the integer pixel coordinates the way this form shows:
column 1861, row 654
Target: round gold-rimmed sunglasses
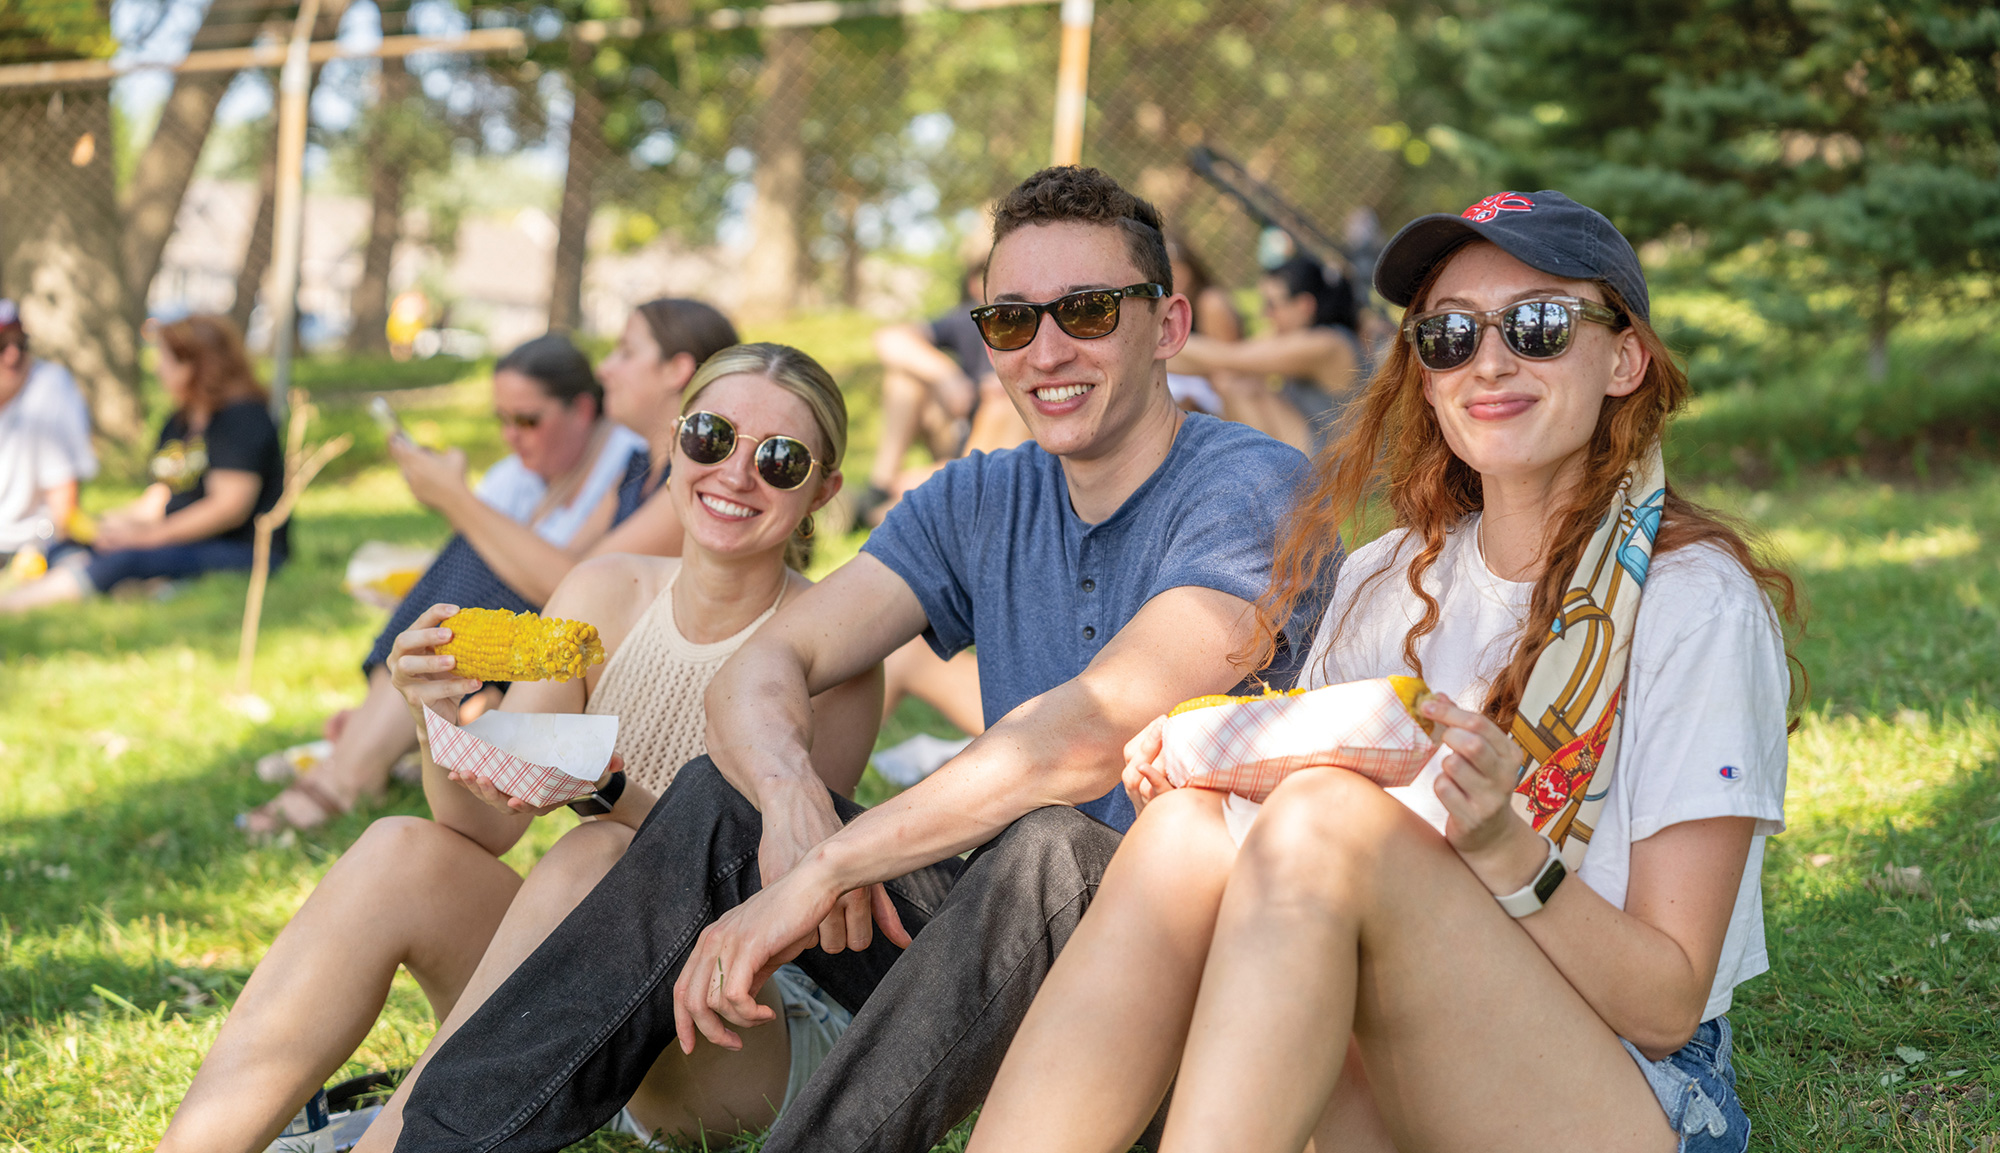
column 1086, row 315
column 784, row 462
column 1538, row 329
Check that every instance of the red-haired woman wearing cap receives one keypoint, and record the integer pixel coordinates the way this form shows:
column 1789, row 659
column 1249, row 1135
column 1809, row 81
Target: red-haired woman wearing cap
column 218, row 464
column 1370, row 969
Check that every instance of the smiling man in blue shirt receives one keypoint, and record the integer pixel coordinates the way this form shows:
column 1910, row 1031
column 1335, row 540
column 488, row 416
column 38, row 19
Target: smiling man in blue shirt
column 1105, row 571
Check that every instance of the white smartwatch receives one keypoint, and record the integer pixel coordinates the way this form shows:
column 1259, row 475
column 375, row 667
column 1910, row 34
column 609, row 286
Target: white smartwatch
column 1530, row 898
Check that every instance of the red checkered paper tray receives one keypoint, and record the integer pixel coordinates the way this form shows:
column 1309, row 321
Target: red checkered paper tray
column 542, row 758
column 1246, row 745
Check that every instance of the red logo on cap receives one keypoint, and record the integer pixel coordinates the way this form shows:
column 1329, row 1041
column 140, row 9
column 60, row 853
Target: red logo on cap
column 1495, row 204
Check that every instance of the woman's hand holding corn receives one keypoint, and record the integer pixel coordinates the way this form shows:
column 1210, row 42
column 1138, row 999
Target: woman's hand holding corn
column 1476, row 786
column 1142, row 776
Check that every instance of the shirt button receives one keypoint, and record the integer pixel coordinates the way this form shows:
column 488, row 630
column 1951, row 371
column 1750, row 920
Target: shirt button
column 1089, row 632
column 1089, row 586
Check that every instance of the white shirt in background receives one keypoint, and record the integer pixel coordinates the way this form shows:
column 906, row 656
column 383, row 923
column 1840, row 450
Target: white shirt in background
column 509, row 487
column 44, row 442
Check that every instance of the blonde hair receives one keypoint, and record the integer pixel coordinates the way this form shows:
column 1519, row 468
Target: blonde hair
column 803, row 377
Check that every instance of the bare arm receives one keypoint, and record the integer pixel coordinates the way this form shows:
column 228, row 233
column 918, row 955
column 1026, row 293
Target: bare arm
column 514, row 551
column 60, row 501
column 230, row 498
column 1314, row 352
column 1061, row 748
column 906, row 348
column 1645, row 969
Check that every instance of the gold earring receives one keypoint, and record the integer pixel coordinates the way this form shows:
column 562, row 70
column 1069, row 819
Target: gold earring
column 806, row 528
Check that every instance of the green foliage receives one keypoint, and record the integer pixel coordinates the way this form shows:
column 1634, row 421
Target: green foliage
column 55, row 30
column 1857, row 144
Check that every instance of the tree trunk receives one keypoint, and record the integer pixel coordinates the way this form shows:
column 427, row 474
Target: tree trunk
column 59, row 250
column 388, row 172
column 586, row 149
column 159, row 181
column 257, row 252
column 1880, row 321
column 774, row 271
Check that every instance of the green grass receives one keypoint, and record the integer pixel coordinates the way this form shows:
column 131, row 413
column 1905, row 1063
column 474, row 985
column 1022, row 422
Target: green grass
column 131, row 912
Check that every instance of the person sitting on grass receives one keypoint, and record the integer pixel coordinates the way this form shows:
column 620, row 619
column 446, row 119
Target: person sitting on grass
column 1353, row 972
column 587, row 461
column 45, row 452
column 1105, row 571
column 1310, row 354
column 757, row 454
column 217, row 465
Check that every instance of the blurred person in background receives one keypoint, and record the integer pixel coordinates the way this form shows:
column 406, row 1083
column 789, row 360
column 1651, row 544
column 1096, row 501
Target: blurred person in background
column 1293, row 381
column 45, row 451
column 218, row 465
column 1215, row 317
column 587, row 468
column 938, row 383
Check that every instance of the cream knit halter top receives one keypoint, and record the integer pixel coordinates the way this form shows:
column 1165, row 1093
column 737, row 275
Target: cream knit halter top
column 654, row 685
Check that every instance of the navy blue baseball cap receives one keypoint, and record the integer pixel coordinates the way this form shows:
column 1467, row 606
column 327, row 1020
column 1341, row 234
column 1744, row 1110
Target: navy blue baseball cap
column 1543, row 230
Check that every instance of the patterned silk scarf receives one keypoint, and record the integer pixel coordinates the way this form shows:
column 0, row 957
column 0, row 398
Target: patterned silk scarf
column 1569, row 716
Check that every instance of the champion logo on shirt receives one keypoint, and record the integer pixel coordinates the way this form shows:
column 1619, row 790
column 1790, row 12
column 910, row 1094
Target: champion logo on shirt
column 1730, row 773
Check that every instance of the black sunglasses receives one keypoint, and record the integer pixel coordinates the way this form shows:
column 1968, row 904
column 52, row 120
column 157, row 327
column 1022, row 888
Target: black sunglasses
column 1085, row 315
column 783, row 462
column 1539, row 329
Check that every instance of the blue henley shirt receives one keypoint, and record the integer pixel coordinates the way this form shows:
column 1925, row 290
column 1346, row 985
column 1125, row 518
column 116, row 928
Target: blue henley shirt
column 999, row 560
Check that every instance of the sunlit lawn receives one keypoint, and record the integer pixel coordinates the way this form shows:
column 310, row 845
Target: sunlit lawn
column 131, row 912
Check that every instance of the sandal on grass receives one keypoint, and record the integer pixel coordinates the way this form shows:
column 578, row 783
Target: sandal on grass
column 274, row 817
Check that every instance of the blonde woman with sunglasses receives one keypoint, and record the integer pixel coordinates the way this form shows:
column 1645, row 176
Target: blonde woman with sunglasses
column 1533, row 946
column 759, row 441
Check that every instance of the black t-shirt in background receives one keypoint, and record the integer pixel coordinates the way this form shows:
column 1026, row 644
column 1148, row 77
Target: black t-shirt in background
column 955, row 333
column 242, row 437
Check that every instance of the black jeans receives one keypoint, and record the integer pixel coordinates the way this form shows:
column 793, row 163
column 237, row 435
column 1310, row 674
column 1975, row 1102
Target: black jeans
column 566, row 1039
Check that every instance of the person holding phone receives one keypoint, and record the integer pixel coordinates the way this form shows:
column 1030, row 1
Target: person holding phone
column 1535, row 946
column 590, row 452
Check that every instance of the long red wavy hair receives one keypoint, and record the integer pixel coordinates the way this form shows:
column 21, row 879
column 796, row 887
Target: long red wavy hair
column 1395, row 450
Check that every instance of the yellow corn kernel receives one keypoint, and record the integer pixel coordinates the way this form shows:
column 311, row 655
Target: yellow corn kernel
column 1413, row 692
column 496, row 645
column 1214, row 699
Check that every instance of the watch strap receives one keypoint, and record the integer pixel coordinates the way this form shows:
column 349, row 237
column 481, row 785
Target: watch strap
column 603, row 800
column 1530, row 898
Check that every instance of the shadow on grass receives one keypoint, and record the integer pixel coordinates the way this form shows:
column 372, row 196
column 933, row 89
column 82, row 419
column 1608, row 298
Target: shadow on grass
column 1875, row 1028
column 143, row 888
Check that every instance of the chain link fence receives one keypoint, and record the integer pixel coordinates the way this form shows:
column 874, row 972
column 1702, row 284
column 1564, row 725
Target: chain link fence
column 772, row 169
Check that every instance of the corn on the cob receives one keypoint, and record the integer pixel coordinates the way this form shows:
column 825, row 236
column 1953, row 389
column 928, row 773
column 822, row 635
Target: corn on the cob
column 1412, row 691
column 81, row 526
column 496, row 645
column 1214, row 699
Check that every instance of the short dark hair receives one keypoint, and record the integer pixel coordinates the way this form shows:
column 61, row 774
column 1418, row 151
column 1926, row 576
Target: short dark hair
column 1333, row 299
column 558, row 366
column 1088, row 196
column 679, row 325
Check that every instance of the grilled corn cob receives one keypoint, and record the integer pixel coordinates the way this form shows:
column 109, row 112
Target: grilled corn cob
column 496, row 645
column 1412, row 691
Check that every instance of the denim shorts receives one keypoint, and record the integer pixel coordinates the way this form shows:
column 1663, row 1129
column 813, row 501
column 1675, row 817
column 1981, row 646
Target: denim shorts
column 1696, row 1085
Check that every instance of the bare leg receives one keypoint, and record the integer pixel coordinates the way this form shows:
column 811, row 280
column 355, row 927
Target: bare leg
column 1247, row 400
column 409, row 893
column 717, row 1091
column 713, row 1086
column 951, row 687
column 60, row 586
column 903, row 401
column 996, row 425
column 1098, row 1048
column 1347, row 914
column 374, row 735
